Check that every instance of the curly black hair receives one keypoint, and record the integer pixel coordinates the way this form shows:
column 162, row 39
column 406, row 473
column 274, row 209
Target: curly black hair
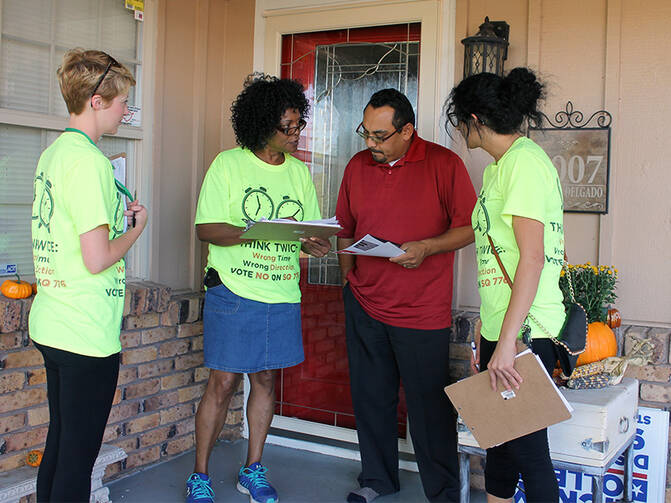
column 257, row 110
column 500, row 103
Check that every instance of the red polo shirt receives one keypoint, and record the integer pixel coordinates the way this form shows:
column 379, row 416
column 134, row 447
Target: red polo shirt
column 426, row 192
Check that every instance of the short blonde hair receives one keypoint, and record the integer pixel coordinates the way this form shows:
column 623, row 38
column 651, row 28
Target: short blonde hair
column 82, row 69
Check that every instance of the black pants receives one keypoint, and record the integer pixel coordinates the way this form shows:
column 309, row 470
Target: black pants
column 528, row 456
column 380, row 354
column 80, row 390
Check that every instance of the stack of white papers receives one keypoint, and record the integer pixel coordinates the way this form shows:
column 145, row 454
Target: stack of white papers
column 284, row 229
column 373, row 247
column 333, row 221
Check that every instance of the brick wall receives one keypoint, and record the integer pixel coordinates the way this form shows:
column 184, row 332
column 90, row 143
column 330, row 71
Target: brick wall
column 654, row 379
column 161, row 380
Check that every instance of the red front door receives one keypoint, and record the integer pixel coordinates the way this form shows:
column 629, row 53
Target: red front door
column 340, row 70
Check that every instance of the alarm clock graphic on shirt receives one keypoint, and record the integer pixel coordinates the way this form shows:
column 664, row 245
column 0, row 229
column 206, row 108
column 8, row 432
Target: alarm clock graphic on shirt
column 257, row 204
column 290, row 208
column 482, row 223
column 46, row 208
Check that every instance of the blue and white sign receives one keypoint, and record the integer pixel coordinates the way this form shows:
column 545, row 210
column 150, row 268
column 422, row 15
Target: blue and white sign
column 6, row 269
column 649, row 477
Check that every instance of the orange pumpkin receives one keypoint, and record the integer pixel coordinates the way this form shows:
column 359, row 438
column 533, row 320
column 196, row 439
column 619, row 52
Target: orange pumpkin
column 614, row 319
column 34, row 288
column 600, row 344
column 16, row 289
column 34, row 458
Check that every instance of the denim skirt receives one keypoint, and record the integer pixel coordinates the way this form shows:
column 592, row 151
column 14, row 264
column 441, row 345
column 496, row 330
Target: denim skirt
column 246, row 336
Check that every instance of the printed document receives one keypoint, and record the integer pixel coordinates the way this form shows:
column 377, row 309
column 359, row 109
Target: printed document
column 373, row 247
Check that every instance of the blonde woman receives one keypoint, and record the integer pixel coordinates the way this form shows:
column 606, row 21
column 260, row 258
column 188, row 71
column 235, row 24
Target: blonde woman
column 78, row 232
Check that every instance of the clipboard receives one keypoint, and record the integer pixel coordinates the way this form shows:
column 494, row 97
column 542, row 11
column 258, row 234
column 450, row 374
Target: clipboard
column 270, row 230
column 495, row 417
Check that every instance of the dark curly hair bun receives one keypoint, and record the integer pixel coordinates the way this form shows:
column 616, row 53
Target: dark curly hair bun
column 501, row 103
column 524, row 91
column 258, row 109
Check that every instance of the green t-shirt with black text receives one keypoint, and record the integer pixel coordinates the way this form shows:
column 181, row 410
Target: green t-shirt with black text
column 239, row 187
column 523, row 183
column 74, row 193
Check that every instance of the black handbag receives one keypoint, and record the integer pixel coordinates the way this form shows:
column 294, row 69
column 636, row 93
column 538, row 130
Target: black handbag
column 572, row 337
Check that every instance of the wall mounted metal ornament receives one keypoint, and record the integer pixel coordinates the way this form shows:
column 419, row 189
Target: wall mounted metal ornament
column 580, row 150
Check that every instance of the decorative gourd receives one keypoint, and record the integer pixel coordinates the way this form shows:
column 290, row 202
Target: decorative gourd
column 16, row 289
column 614, row 319
column 600, row 344
column 34, row 458
column 34, row 288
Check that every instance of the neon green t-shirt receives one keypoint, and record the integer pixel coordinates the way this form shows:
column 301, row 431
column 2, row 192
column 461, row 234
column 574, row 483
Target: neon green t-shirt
column 74, row 190
column 240, row 187
column 523, row 183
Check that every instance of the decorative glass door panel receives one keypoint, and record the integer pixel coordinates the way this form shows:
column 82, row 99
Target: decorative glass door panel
column 340, row 70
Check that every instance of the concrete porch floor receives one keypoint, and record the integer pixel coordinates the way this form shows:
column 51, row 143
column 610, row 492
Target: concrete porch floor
column 299, row 477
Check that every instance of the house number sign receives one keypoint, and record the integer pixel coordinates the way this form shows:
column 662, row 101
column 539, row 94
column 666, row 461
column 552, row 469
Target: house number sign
column 581, row 155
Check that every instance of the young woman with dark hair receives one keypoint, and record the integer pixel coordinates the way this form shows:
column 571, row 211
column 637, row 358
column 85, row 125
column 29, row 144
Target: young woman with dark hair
column 520, row 207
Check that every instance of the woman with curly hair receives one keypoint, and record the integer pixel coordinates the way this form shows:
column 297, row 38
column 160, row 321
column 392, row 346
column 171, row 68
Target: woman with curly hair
column 252, row 320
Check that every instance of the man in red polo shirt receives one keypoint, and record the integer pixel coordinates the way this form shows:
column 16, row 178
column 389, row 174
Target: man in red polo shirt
column 398, row 311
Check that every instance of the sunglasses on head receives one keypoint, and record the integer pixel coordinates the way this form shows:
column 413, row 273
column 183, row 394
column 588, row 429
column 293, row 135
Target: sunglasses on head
column 112, row 62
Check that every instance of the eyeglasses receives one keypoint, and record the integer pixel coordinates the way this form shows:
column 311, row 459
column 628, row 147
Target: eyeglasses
column 292, row 130
column 452, row 119
column 112, row 62
column 361, row 131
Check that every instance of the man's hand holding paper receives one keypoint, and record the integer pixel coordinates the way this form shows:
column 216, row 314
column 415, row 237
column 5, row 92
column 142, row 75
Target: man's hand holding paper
column 415, row 253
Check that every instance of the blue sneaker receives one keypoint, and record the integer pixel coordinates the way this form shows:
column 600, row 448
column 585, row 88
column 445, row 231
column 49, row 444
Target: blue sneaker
column 252, row 480
column 199, row 489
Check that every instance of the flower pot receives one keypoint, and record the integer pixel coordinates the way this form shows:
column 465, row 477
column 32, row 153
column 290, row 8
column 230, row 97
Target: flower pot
column 613, row 318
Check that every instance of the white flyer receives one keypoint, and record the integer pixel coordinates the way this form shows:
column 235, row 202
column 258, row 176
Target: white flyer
column 118, row 162
column 371, row 246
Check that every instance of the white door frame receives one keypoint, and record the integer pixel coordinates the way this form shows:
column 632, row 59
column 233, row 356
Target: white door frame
column 436, row 79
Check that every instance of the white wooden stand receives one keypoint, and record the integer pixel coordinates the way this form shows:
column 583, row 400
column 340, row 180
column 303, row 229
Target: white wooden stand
column 597, row 472
column 602, row 427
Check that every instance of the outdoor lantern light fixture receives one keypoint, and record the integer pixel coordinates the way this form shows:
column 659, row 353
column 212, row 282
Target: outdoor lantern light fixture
column 487, row 49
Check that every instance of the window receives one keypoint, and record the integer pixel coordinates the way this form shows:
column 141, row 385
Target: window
column 35, row 35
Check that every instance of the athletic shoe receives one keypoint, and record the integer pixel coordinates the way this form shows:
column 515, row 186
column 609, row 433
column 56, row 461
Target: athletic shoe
column 199, row 489
column 252, row 480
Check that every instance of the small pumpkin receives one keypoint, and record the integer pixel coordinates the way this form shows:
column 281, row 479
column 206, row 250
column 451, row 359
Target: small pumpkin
column 601, row 343
column 16, row 289
column 34, row 458
column 34, row 288
column 613, row 318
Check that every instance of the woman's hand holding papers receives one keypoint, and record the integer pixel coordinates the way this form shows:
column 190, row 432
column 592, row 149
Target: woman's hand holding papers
column 317, row 247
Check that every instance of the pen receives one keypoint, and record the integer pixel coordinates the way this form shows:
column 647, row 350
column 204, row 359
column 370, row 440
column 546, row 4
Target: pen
column 134, row 199
column 475, row 355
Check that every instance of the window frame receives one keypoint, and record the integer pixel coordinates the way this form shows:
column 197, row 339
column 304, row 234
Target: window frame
column 141, row 174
